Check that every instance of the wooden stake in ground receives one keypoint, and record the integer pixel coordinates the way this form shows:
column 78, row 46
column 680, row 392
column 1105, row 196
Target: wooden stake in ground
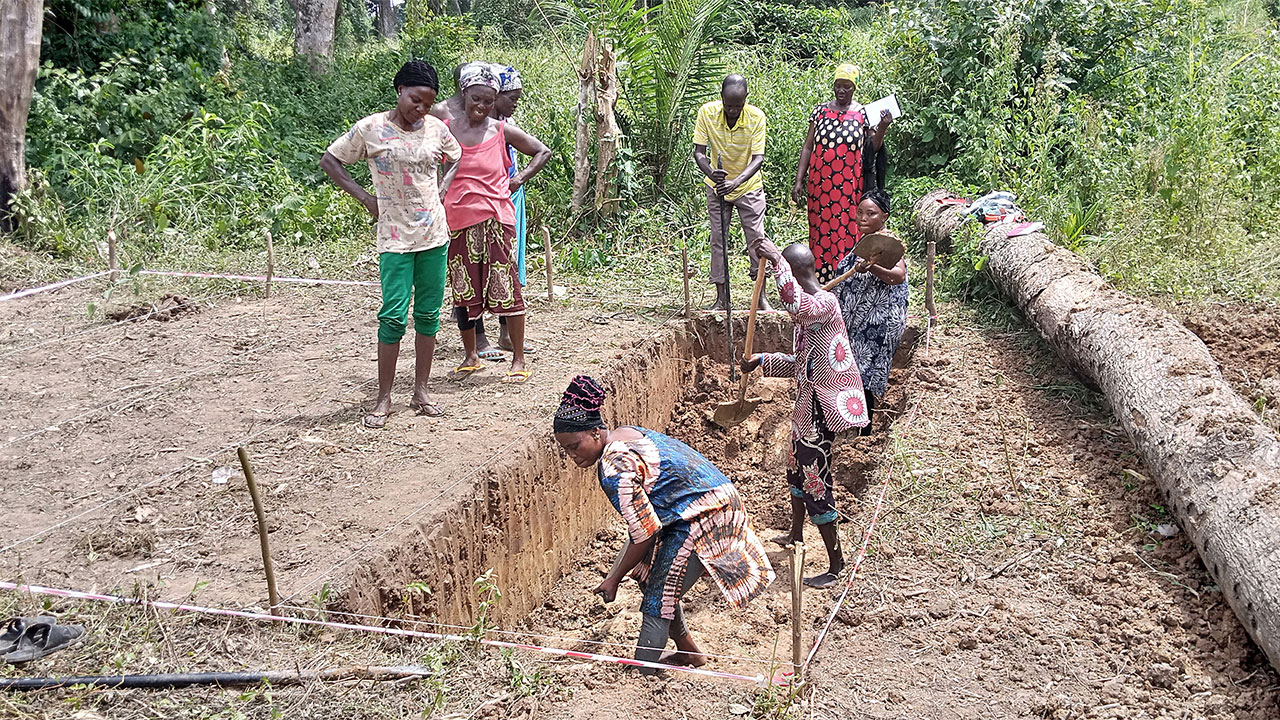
column 113, row 263
column 546, row 249
column 797, row 605
column 930, row 309
column 1216, row 462
column 930, row 255
column 271, row 262
column 684, row 265
column 272, row 595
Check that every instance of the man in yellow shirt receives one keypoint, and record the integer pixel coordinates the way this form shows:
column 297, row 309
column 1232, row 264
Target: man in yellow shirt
column 735, row 133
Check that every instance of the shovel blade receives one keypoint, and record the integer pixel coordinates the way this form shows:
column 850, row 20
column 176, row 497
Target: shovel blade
column 733, row 413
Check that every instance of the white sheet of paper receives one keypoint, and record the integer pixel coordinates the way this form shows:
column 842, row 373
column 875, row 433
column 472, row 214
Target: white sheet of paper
column 889, row 103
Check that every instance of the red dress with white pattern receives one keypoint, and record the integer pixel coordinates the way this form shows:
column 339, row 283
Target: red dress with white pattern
column 835, row 183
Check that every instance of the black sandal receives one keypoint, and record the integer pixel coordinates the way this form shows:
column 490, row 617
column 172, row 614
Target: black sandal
column 43, row 639
column 823, row 581
column 16, row 627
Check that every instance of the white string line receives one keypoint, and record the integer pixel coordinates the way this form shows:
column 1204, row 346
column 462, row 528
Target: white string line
column 107, row 326
column 495, row 631
column 328, row 574
column 129, row 401
column 117, row 498
column 401, row 632
column 54, row 286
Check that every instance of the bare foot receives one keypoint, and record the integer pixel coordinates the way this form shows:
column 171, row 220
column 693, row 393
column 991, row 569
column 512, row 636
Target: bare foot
column 424, row 405
column 676, row 657
column 377, row 417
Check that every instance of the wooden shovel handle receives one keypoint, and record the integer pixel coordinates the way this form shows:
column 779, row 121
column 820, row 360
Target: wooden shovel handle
column 751, row 323
column 849, row 273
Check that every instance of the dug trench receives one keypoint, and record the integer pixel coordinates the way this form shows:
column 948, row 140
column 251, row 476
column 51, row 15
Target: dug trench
column 547, row 532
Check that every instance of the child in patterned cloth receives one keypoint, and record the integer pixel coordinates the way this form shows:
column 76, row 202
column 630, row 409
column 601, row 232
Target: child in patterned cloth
column 829, row 396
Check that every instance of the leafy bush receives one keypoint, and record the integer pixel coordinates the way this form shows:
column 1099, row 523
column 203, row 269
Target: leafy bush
column 795, row 31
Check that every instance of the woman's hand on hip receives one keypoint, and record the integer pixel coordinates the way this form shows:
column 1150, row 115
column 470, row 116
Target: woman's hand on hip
column 607, row 590
column 371, row 204
column 515, row 183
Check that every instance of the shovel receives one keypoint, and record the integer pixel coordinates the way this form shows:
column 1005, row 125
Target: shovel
column 877, row 249
column 734, row 412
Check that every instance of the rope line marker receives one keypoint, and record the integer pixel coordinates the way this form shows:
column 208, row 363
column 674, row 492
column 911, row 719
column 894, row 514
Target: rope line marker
column 53, row 286
column 258, row 278
column 862, row 551
column 263, row 617
column 414, row 621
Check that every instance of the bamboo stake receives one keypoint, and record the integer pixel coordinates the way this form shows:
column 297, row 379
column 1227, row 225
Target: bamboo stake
column 262, row 529
column 930, row 309
column 797, row 605
column 113, row 261
column 271, row 262
column 546, row 248
column 928, row 281
column 684, row 261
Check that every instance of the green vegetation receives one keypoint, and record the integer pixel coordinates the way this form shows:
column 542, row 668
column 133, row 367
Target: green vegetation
column 1144, row 134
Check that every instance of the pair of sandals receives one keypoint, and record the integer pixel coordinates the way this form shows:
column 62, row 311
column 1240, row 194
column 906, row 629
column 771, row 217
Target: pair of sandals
column 27, row 639
column 378, row 420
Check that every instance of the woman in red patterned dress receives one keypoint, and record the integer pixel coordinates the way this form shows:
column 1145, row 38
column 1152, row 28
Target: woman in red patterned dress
column 837, row 164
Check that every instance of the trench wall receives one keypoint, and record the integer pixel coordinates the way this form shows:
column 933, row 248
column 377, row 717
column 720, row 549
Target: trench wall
column 529, row 513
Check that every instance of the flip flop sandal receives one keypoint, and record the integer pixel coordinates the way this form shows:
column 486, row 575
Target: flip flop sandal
column 376, row 420
column 517, row 377
column 529, row 349
column 822, row 582
column 462, row 372
column 491, row 353
column 783, row 540
column 42, row 639
column 16, row 627
column 428, row 409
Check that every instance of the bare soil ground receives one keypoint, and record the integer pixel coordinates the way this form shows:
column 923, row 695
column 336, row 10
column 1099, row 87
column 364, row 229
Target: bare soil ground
column 118, row 437
column 1245, row 340
column 1023, row 567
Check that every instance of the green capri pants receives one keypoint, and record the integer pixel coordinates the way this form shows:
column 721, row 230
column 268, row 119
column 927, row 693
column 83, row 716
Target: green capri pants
column 420, row 274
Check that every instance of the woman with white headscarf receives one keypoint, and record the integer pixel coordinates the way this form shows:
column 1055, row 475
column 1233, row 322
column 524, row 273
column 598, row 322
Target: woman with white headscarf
column 483, row 271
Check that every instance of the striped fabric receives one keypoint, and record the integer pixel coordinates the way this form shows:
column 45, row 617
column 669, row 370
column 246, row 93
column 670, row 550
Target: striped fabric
column 733, row 147
column 660, row 486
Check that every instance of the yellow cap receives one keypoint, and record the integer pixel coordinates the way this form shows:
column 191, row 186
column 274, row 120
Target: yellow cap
column 848, row 71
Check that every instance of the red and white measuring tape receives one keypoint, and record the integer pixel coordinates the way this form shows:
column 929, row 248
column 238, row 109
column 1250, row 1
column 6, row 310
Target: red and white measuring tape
column 264, row 617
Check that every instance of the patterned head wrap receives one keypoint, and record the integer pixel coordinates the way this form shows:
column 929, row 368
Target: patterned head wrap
column 579, row 409
column 508, row 77
column 848, row 71
column 477, row 74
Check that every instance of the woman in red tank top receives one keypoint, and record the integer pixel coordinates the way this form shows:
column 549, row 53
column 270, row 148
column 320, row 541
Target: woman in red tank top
column 477, row 205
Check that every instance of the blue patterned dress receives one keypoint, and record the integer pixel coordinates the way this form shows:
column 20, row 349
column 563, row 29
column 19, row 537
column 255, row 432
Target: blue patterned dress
column 875, row 315
column 660, row 486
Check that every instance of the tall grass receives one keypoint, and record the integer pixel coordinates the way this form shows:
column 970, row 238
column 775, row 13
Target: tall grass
column 1160, row 162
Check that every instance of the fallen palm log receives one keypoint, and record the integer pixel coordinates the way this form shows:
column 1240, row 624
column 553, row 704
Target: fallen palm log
column 1217, row 464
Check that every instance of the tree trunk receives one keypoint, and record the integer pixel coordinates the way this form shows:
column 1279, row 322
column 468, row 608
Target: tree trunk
column 582, row 136
column 607, row 131
column 1217, row 464
column 938, row 222
column 314, row 22
column 386, row 19
column 20, row 22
